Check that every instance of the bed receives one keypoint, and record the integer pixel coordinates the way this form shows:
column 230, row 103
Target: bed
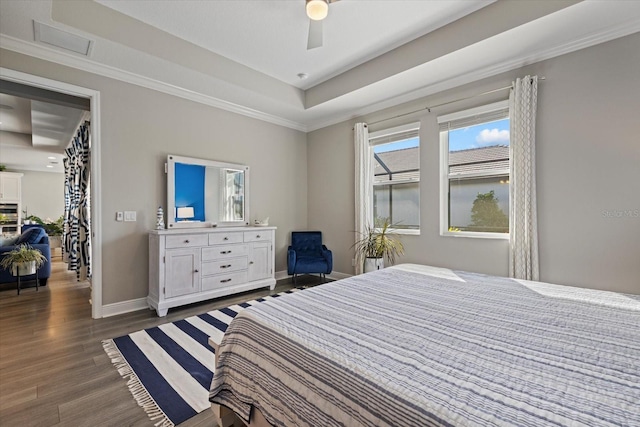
column 414, row 345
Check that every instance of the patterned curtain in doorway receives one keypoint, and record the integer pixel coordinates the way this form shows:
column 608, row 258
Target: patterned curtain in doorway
column 77, row 225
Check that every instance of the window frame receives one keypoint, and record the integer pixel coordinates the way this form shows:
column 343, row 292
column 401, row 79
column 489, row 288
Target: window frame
column 477, row 113
column 386, row 136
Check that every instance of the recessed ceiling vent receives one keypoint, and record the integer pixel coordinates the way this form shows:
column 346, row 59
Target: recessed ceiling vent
column 61, row 39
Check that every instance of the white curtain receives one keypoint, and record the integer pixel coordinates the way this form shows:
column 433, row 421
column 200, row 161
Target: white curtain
column 364, row 182
column 523, row 228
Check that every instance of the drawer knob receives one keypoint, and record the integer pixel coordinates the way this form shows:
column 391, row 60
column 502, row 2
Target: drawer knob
column 225, row 266
column 225, row 280
column 186, row 241
column 226, row 238
column 196, row 271
column 225, row 252
column 258, row 236
column 251, row 262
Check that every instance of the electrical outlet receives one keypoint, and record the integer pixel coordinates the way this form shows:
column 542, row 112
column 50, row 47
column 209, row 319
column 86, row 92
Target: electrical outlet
column 130, row 216
column 119, row 216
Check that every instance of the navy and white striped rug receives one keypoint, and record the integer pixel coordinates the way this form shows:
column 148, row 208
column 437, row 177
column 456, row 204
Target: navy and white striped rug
column 169, row 367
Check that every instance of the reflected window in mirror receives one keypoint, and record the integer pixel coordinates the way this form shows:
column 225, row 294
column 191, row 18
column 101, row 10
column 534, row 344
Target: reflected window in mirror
column 232, row 183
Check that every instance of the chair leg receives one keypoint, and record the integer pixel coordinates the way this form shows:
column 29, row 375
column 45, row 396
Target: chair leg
column 295, row 282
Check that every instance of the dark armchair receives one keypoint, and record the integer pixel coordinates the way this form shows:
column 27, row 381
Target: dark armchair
column 307, row 254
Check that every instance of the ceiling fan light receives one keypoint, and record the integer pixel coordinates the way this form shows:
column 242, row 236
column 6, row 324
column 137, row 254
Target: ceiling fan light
column 317, row 9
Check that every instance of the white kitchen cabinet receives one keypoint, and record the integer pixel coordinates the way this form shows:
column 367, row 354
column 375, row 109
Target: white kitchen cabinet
column 10, row 187
column 191, row 265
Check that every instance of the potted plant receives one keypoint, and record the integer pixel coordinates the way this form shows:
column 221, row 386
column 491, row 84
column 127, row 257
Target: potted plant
column 24, row 260
column 377, row 244
column 53, row 228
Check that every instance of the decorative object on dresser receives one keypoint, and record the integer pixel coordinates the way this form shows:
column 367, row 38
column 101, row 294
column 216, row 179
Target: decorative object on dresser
column 261, row 222
column 191, row 265
column 159, row 219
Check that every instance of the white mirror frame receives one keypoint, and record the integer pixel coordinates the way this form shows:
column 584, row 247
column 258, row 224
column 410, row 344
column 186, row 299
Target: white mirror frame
column 171, row 193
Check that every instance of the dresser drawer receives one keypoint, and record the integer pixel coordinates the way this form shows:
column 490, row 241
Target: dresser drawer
column 224, row 280
column 186, row 241
column 211, row 253
column 257, row 236
column 224, row 266
column 221, row 238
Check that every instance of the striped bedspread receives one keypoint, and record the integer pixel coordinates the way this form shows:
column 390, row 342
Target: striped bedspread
column 420, row 346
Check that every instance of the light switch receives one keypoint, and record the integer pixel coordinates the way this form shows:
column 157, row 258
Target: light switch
column 129, row 216
column 119, row 216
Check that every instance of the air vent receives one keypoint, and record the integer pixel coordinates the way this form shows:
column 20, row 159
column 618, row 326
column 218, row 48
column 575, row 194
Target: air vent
column 61, row 39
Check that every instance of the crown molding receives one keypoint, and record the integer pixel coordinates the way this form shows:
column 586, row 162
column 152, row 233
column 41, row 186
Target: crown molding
column 482, row 73
column 84, row 64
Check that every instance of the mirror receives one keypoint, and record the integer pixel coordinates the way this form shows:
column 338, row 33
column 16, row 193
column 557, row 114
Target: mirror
column 206, row 193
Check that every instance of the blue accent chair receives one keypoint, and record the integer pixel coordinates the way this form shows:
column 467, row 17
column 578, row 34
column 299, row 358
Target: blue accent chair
column 307, row 254
column 37, row 238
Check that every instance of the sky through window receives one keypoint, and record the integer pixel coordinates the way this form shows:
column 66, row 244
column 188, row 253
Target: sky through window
column 478, row 136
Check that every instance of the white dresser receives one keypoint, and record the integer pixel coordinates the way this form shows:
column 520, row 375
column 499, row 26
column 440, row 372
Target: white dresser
column 191, row 265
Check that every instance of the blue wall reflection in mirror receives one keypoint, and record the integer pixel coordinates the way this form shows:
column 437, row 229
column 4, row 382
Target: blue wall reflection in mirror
column 189, row 188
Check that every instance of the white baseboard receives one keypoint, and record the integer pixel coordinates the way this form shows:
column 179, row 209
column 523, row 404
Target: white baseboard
column 116, row 308
column 282, row 274
column 123, row 307
column 335, row 275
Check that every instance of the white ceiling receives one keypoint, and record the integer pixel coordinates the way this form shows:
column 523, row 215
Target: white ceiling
column 34, row 134
column 271, row 36
column 244, row 56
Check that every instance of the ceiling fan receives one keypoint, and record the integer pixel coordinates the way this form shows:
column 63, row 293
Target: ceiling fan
column 317, row 10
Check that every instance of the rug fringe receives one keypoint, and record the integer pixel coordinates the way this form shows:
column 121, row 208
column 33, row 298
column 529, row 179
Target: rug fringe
column 137, row 389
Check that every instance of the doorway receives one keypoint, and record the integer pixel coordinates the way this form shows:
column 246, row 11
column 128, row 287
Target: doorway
column 96, row 195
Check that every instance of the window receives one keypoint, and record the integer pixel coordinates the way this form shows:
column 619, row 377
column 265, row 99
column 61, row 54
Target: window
column 396, row 176
column 474, row 149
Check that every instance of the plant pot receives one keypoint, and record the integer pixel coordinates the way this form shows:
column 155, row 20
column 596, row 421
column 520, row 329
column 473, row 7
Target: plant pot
column 55, row 241
column 373, row 264
column 24, row 268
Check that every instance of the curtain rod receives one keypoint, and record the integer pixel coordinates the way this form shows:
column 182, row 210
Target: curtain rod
column 447, row 103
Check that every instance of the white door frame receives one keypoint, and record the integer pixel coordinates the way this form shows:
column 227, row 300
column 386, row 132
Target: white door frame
column 96, row 190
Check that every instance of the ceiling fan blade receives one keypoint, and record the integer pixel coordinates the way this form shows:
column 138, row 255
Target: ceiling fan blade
column 315, row 34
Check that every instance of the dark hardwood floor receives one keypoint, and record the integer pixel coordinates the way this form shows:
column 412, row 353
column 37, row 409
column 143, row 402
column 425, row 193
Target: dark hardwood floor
column 53, row 369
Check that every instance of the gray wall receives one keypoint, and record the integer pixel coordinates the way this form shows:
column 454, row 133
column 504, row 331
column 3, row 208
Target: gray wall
column 139, row 128
column 43, row 194
column 588, row 173
column 588, row 170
